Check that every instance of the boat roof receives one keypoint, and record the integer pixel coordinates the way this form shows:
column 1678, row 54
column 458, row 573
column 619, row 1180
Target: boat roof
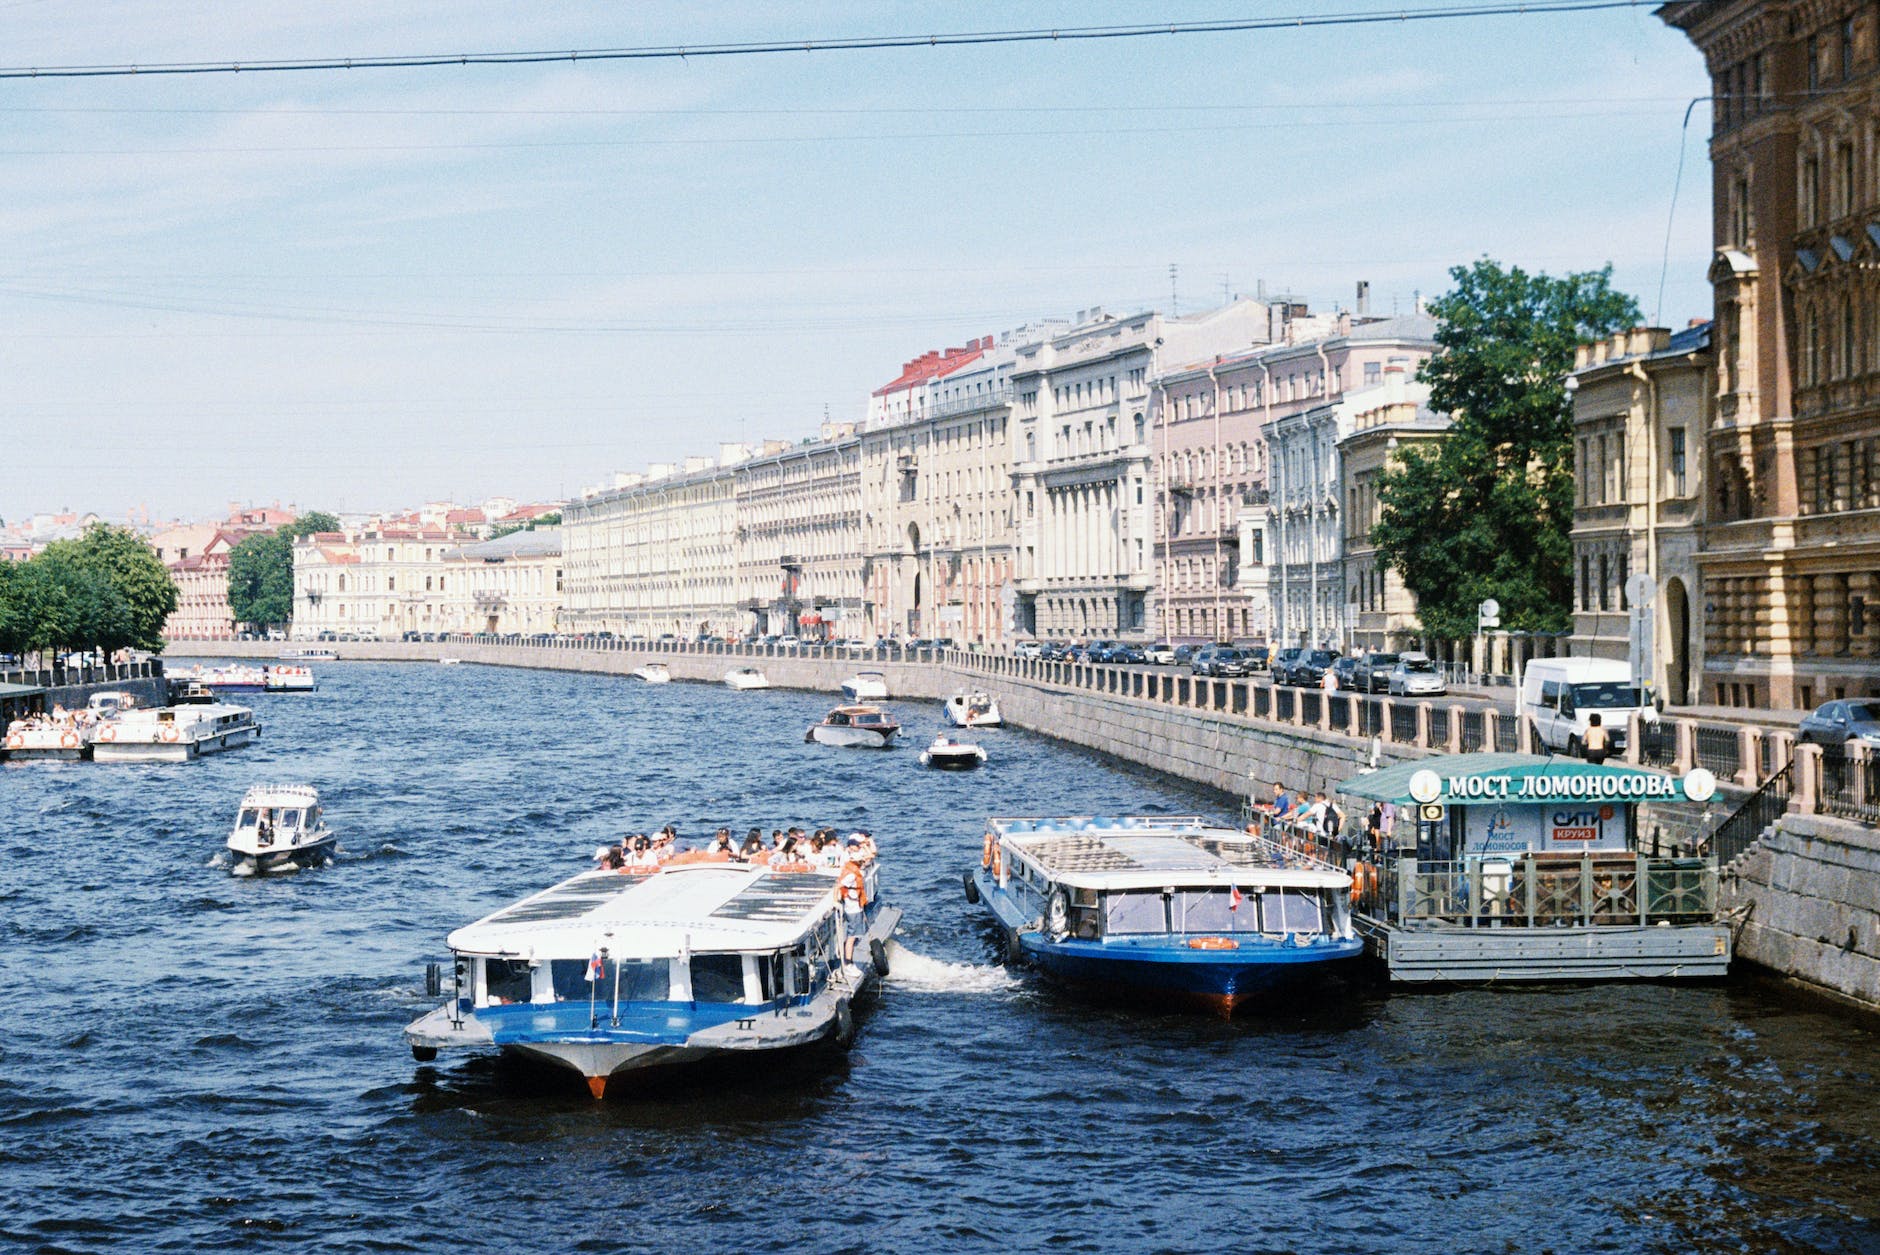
column 281, row 795
column 708, row 907
column 1158, row 852
column 1498, row 779
column 868, row 675
column 187, row 714
column 858, row 710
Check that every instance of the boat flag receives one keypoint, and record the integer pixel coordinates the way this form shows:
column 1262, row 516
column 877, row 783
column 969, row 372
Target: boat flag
column 597, row 969
column 1234, row 898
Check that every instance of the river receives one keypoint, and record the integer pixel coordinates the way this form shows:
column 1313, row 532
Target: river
column 195, row 1061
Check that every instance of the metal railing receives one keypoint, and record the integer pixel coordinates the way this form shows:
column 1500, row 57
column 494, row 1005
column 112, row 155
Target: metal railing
column 1754, row 817
column 1540, row 890
column 61, row 677
column 1848, row 784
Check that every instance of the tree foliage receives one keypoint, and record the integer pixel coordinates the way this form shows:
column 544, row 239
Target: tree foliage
column 261, row 570
column 551, row 519
column 119, row 562
column 54, row 603
column 1486, row 512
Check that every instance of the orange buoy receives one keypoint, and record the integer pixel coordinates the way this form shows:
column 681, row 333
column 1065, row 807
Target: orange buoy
column 1213, row 943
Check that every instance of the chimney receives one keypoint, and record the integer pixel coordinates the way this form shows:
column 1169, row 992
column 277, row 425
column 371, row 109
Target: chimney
column 1364, row 298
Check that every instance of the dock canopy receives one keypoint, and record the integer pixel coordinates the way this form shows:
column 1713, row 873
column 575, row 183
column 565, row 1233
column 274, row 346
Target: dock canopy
column 1463, row 779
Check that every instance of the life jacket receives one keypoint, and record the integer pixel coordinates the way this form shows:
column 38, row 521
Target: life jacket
column 852, row 886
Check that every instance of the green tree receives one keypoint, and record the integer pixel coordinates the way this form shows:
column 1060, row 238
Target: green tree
column 127, row 565
column 53, row 603
column 1486, row 512
column 261, row 570
column 551, row 519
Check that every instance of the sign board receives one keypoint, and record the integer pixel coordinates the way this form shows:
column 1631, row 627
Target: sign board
column 1570, row 827
column 1431, row 813
column 1488, row 614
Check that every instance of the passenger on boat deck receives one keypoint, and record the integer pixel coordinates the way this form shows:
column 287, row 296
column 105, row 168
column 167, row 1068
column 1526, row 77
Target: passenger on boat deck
column 721, row 843
column 787, row 852
column 665, row 845
column 1312, row 816
column 616, row 861
column 753, row 846
column 643, row 855
column 832, row 855
column 852, row 893
column 862, row 847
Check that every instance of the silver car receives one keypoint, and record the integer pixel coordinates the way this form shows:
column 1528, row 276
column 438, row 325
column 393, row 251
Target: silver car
column 1415, row 675
column 1843, row 723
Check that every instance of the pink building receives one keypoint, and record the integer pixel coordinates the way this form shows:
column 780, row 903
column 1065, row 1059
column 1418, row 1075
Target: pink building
column 1213, row 525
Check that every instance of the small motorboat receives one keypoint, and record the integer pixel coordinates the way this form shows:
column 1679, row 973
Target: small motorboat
column 746, row 678
column 866, row 686
column 975, row 709
column 280, row 826
column 653, row 673
column 190, row 692
column 947, row 754
column 449, row 662
column 855, row 727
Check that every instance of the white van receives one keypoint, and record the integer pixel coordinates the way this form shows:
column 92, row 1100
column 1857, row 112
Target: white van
column 1558, row 695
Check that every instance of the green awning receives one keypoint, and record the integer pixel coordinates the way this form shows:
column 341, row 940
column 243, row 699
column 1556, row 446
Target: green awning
column 20, row 690
column 1475, row 779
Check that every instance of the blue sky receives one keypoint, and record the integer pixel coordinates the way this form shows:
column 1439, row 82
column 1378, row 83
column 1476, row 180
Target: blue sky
column 365, row 289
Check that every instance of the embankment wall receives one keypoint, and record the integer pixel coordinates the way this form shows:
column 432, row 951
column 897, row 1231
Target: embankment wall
column 1809, row 895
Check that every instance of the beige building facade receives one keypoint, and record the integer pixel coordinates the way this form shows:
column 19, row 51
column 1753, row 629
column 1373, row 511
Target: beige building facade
column 1790, row 558
column 798, row 521
column 1380, row 613
column 1642, row 403
column 512, row 584
column 376, row 583
column 654, row 557
column 196, row 556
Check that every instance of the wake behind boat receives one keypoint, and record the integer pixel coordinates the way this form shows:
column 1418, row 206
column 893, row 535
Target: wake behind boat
column 615, row 971
column 1163, row 908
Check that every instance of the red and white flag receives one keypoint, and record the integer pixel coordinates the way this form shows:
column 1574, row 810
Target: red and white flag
column 1233, row 898
column 597, row 968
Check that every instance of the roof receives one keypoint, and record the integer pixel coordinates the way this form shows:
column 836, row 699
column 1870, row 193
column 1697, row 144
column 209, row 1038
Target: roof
column 707, row 906
column 20, row 690
column 281, row 795
column 1158, row 852
column 933, row 364
column 544, row 542
column 1531, row 779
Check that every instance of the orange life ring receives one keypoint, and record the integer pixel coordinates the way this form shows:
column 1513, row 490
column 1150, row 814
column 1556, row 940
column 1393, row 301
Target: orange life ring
column 69, row 740
column 107, row 733
column 1363, row 880
column 986, row 853
column 15, row 740
column 1213, row 943
column 169, row 732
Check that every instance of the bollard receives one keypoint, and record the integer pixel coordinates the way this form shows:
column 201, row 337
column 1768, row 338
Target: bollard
column 1456, row 714
column 1423, row 725
column 1687, row 746
column 1748, row 757
column 1805, row 780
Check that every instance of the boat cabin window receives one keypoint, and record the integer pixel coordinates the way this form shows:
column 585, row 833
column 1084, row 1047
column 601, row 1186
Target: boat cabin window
column 1207, row 911
column 1139, row 911
column 1290, row 911
column 290, row 818
column 641, row 980
column 869, row 719
column 507, row 980
column 247, row 819
column 717, row 978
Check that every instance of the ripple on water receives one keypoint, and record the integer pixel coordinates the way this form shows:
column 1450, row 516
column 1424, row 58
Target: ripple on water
column 175, row 1027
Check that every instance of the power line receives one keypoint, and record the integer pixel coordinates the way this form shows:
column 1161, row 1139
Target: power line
column 681, row 52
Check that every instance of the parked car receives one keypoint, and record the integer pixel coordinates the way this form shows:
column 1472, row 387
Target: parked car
column 1218, row 660
column 1258, row 657
column 1415, row 675
column 1283, row 663
column 1160, row 653
column 1839, row 724
column 1346, row 670
column 1053, row 651
column 1126, row 652
column 1028, row 649
column 1310, row 667
column 1185, row 654
column 1372, row 674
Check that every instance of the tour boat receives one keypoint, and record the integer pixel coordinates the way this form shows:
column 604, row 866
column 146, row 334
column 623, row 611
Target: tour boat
column 947, row 754
column 855, row 727
column 653, row 673
column 287, row 679
column 279, row 826
column 174, row 734
column 866, row 686
column 237, row 677
column 973, row 710
column 309, row 655
column 1164, row 908
column 612, row 972
column 746, row 678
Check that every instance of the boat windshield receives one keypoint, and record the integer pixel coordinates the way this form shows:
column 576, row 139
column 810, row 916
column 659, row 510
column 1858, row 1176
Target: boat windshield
column 1290, row 911
column 290, row 818
column 868, row 717
column 1212, row 910
column 247, row 819
column 1610, row 696
column 717, row 978
column 641, row 980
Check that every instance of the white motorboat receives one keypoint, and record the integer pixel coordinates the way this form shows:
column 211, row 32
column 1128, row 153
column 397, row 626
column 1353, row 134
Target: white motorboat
column 746, row 678
column 48, row 737
column 280, row 826
column 866, row 686
column 616, row 971
column 947, row 754
column 174, row 734
column 288, row 679
column 975, row 709
column 309, row 655
column 653, row 673
column 449, row 662
column 855, row 727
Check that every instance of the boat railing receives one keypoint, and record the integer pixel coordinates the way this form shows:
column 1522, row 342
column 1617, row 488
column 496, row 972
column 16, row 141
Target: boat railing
column 1543, row 890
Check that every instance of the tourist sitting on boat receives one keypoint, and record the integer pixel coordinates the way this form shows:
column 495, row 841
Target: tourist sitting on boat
column 862, row 847
column 721, row 844
column 643, row 855
column 1312, row 815
column 665, row 845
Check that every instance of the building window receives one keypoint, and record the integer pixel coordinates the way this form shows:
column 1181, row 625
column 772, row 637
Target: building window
column 1677, row 461
column 1373, row 374
column 1810, row 191
column 1739, row 212
column 1605, row 582
column 1847, row 47
column 1843, row 180
column 1814, row 63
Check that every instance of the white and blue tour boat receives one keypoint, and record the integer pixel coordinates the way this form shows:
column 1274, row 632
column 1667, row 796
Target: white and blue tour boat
column 1163, row 908
column 613, row 972
column 280, row 826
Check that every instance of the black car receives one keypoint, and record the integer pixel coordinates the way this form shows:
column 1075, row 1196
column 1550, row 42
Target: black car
column 1218, row 660
column 1053, row 651
column 1258, row 656
column 1372, row 674
column 1283, row 663
column 1123, row 651
column 1346, row 669
column 1311, row 665
column 1185, row 654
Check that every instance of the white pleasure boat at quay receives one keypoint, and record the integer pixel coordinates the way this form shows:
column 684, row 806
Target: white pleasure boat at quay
column 174, row 734
column 309, row 655
column 280, row 826
column 746, row 678
column 975, row 709
column 612, row 971
column 287, row 679
column 866, row 686
column 947, row 754
column 653, row 673
column 47, row 737
column 855, row 727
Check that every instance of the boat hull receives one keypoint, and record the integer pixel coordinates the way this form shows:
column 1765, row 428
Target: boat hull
column 1257, row 969
column 952, row 760
column 178, row 751
column 852, row 737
